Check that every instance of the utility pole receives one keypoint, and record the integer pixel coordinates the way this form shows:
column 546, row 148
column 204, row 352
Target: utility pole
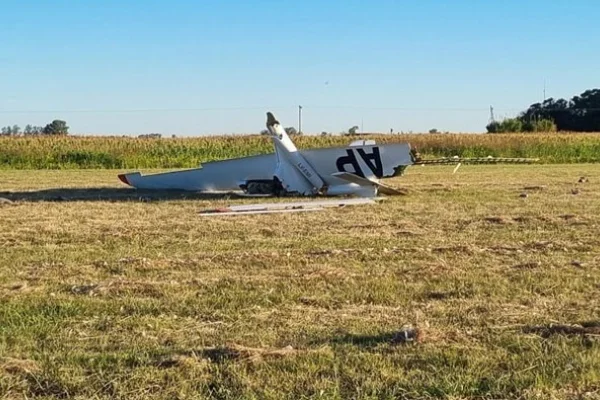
column 299, row 119
column 492, row 114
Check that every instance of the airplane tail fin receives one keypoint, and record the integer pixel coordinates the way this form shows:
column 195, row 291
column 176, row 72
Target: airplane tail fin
column 271, row 120
column 292, row 169
column 274, row 126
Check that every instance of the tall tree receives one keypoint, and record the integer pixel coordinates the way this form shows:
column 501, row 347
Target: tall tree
column 586, row 107
column 290, row 130
column 581, row 113
column 56, row 127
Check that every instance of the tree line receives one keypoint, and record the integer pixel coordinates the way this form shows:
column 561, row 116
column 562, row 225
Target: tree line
column 579, row 114
column 56, row 127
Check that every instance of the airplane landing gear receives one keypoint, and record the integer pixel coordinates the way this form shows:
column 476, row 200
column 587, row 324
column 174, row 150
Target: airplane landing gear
column 264, row 187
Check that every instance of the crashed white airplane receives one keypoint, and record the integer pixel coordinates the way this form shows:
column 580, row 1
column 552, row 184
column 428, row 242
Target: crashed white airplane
column 354, row 170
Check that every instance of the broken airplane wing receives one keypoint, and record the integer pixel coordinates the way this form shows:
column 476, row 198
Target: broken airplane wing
column 293, row 207
column 353, row 170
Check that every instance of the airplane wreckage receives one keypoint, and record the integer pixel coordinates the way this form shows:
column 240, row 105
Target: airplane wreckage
column 355, row 170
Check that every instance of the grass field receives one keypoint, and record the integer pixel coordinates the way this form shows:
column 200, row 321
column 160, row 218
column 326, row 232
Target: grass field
column 114, row 294
column 122, row 152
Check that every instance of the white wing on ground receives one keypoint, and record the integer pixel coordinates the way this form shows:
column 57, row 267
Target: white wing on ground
column 215, row 176
column 270, row 208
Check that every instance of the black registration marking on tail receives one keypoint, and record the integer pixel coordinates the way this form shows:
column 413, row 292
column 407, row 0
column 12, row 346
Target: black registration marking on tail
column 350, row 159
column 373, row 161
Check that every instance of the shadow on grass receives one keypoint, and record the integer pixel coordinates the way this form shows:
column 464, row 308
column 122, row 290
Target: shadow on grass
column 373, row 340
column 588, row 328
column 222, row 354
column 235, row 352
column 216, row 355
column 110, row 194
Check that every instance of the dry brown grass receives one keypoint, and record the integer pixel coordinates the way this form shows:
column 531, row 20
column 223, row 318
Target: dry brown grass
column 104, row 295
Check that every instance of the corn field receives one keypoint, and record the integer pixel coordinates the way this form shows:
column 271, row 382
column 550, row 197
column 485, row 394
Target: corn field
column 126, row 153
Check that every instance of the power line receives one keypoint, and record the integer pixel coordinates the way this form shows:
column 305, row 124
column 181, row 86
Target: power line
column 210, row 109
column 142, row 110
column 135, row 110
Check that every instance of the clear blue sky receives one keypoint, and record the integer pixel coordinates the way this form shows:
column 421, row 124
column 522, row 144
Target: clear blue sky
column 200, row 67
